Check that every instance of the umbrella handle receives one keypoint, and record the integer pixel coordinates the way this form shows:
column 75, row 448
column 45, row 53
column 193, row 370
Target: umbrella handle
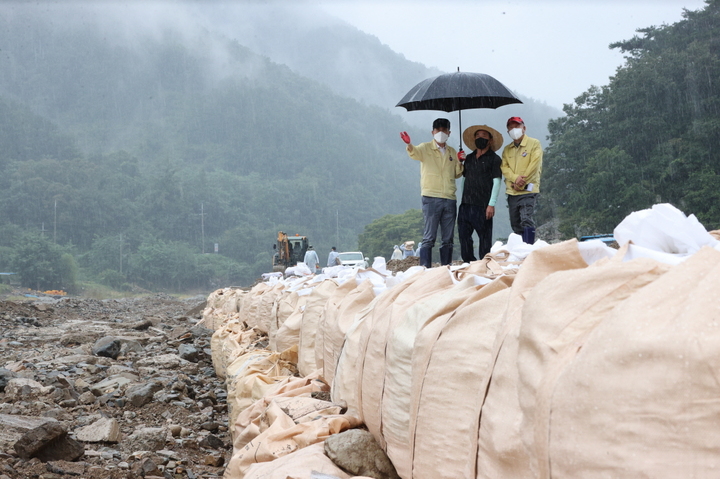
column 460, row 124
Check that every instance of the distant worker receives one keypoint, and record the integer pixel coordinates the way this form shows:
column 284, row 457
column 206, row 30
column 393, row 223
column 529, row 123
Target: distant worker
column 311, row 259
column 408, row 249
column 333, row 259
column 439, row 167
column 522, row 167
column 397, row 254
column 480, row 191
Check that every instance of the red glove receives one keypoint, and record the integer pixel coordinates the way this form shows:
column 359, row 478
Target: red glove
column 405, row 137
column 461, row 156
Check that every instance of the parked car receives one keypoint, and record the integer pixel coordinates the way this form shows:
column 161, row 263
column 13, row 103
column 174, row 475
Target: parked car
column 354, row 259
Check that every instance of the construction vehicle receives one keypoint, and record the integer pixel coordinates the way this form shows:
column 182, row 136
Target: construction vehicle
column 289, row 250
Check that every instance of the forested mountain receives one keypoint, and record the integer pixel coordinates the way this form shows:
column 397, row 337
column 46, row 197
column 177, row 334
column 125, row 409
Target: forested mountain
column 137, row 148
column 352, row 63
column 651, row 135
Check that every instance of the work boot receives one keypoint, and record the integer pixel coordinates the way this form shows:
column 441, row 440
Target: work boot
column 528, row 235
column 425, row 256
column 446, row 255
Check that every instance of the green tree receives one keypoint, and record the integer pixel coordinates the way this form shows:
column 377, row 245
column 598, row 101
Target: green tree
column 161, row 264
column 43, row 265
column 381, row 235
column 650, row 136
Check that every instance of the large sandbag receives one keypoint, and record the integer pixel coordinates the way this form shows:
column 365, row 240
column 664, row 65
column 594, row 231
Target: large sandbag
column 266, row 318
column 559, row 313
column 288, row 334
column 330, row 311
column 290, row 303
column 640, row 398
column 222, row 305
column 417, row 287
column 228, row 342
column 301, row 464
column 501, row 452
column 308, row 331
column 347, row 384
column 450, row 364
column 282, row 437
column 251, row 304
column 337, row 321
column 286, row 305
column 252, row 420
column 252, row 374
column 396, row 398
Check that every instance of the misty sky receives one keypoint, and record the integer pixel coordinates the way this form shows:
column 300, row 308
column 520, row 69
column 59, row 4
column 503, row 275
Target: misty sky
column 549, row 50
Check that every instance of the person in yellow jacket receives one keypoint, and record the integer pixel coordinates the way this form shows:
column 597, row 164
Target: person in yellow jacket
column 440, row 166
column 522, row 166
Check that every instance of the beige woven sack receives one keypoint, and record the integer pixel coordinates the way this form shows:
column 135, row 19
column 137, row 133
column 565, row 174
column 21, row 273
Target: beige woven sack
column 415, row 288
column 251, row 304
column 222, row 305
column 501, row 452
column 452, row 358
column 252, row 421
column 337, row 322
column 228, row 342
column 301, row 464
column 347, row 384
column 288, row 334
column 282, row 437
column 396, row 398
column 286, row 305
column 308, row 331
column 558, row 315
column 330, row 311
column 266, row 319
column 640, row 398
column 252, row 374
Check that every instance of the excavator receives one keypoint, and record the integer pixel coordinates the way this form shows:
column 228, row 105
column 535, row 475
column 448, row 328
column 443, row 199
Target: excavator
column 289, row 250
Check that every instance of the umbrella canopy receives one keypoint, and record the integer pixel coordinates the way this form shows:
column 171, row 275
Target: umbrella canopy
column 458, row 91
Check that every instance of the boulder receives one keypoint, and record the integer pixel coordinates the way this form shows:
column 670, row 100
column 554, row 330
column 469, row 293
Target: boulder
column 188, row 352
column 142, row 394
column 108, row 347
column 5, row 376
column 357, row 452
column 48, row 442
column 102, row 430
column 146, row 439
column 22, row 388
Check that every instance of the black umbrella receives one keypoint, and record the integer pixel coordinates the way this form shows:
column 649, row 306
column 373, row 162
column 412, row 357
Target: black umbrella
column 458, row 91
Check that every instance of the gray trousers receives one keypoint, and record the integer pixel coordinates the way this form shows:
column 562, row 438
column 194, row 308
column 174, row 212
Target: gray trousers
column 438, row 212
column 522, row 211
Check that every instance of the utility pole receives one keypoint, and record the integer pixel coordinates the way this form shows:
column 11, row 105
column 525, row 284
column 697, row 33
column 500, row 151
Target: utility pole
column 202, row 225
column 42, row 231
column 121, row 245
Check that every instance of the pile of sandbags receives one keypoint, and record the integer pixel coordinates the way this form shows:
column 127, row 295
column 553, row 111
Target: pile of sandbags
column 543, row 361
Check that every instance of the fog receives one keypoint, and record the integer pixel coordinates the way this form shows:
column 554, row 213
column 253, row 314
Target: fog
column 122, row 121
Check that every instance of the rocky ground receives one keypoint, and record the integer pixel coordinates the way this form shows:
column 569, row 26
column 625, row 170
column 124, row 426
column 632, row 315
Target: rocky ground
column 109, row 389
column 398, row 265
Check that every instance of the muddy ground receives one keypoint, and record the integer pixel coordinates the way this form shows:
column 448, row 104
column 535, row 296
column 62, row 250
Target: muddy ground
column 130, row 381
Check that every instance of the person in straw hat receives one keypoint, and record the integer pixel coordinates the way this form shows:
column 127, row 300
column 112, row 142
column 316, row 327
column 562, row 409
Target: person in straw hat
column 480, row 191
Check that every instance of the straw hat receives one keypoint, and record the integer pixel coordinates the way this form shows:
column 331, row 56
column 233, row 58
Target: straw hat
column 469, row 137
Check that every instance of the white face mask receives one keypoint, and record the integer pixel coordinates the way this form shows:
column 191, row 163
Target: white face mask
column 440, row 137
column 516, row 133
